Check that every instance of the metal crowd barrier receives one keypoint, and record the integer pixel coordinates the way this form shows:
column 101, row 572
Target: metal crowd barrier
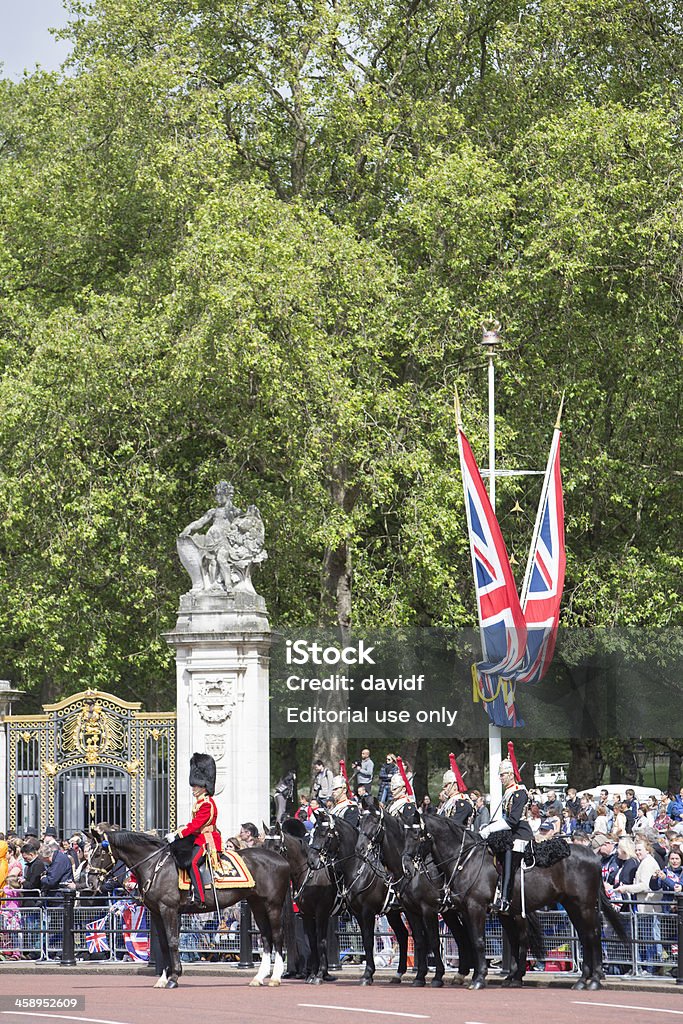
column 103, row 931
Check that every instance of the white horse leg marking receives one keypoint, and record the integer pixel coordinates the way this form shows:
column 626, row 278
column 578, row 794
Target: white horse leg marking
column 161, row 980
column 263, row 971
column 278, row 970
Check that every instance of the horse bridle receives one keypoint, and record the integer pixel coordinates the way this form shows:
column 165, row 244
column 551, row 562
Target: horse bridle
column 105, row 872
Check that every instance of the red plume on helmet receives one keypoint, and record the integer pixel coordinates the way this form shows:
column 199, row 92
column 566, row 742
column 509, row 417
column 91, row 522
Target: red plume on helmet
column 402, row 771
column 342, row 769
column 513, row 761
column 459, row 781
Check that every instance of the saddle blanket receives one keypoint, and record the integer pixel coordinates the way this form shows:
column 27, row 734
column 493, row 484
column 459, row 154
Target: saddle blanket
column 229, row 872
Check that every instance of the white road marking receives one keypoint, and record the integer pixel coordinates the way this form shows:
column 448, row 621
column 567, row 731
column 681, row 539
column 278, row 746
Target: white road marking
column 624, row 1006
column 359, row 1009
column 61, row 1016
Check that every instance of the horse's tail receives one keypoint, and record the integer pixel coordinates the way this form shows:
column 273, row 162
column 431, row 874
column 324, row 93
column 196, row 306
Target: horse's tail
column 289, row 929
column 613, row 916
column 535, row 935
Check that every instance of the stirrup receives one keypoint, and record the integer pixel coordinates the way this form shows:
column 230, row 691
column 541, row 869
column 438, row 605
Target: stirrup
column 502, row 906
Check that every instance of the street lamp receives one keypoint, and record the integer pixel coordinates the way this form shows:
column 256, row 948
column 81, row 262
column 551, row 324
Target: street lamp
column 491, row 340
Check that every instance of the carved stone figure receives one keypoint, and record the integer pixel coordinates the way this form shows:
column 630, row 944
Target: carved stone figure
column 221, row 559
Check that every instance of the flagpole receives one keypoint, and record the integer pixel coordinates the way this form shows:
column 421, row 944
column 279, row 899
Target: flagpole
column 490, row 339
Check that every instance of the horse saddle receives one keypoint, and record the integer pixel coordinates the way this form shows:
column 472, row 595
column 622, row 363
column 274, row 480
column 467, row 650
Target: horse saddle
column 227, row 871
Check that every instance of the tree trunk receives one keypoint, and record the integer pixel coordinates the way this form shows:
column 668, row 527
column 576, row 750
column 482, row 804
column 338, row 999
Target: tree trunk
column 582, row 764
column 673, row 782
column 471, row 762
column 335, row 607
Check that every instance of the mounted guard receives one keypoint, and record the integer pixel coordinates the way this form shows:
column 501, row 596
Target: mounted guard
column 515, row 799
column 202, row 828
column 401, row 790
column 343, row 803
column 454, row 801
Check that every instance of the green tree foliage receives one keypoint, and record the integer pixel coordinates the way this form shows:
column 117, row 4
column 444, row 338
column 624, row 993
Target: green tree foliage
column 259, row 242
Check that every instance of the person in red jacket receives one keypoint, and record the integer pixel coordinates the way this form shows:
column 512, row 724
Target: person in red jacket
column 202, row 827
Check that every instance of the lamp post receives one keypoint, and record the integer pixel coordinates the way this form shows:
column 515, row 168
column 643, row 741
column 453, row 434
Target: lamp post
column 490, row 340
column 7, row 695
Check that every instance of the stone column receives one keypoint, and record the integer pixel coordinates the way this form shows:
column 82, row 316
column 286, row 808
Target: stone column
column 222, row 643
column 222, row 659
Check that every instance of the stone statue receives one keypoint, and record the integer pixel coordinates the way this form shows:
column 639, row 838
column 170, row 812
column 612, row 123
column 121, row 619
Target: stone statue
column 220, row 560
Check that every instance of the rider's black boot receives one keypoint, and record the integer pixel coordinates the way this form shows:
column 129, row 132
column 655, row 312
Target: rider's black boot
column 510, row 864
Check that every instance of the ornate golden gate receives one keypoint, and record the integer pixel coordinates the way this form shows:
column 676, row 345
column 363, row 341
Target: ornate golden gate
column 91, row 757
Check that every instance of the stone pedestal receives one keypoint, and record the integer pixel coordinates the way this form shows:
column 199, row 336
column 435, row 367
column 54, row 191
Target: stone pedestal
column 222, row 643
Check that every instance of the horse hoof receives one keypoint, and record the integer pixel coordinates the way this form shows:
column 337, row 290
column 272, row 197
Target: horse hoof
column 396, row 979
column 329, row 977
column 171, row 983
column 366, row 981
column 255, row 983
column 459, row 979
column 436, row 983
column 594, row 985
column 474, row 985
column 579, row 985
column 418, row 983
column 273, row 983
column 316, row 980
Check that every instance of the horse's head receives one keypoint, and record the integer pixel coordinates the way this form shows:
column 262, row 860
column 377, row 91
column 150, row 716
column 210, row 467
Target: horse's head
column 324, row 840
column 273, row 838
column 416, row 837
column 372, row 831
column 100, row 859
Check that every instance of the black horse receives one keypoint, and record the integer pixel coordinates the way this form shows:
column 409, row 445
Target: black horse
column 156, row 872
column 383, row 837
column 315, row 894
column 574, row 881
column 367, row 890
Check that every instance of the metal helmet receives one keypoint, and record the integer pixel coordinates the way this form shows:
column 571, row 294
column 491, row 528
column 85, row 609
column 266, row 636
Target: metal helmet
column 396, row 783
column 448, row 778
column 505, row 767
column 338, row 782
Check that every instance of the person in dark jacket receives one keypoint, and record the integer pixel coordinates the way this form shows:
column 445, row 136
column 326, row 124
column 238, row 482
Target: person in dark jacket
column 59, row 869
column 386, row 771
column 32, row 872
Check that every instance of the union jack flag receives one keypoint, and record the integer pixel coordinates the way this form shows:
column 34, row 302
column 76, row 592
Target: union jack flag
column 501, row 620
column 96, row 936
column 544, row 577
column 135, row 933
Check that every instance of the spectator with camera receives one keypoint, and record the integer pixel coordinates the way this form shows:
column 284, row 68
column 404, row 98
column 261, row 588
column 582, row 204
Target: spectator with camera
column 365, row 770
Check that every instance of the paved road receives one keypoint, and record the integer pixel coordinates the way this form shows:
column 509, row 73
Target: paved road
column 132, row 1000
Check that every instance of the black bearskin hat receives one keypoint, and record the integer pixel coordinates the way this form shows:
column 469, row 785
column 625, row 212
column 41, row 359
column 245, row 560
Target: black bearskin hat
column 203, row 772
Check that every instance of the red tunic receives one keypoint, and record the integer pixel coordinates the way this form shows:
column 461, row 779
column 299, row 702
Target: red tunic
column 203, row 824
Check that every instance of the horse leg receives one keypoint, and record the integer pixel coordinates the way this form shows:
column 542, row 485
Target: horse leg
column 420, row 947
column 515, row 929
column 170, row 938
column 165, row 965
column 475, row 921
column 366, row 920
column 395, row 920
column 258, row 909
column 577, row 916
column 459, row 933
column 431, row 930
column 313, row 961
column 322, row 925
